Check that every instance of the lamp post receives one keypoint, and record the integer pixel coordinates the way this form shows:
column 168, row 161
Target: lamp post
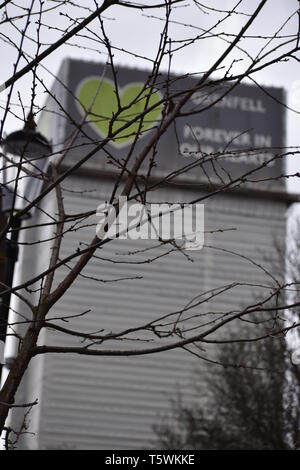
column 25, row 160
column 2, row 277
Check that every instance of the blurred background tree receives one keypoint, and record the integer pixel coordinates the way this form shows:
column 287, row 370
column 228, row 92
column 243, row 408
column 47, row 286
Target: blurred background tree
column 253, row 402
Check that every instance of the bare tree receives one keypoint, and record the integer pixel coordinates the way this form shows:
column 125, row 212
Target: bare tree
column 249, row 399
column 253, row 403
column 87, row 27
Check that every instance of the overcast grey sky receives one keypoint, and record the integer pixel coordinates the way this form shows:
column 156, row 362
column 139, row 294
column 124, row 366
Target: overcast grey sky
column 135, row 31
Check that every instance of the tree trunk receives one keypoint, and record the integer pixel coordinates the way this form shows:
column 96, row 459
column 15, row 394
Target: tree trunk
column 10, row 387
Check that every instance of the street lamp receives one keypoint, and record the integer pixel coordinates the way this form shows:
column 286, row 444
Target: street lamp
column 25, row 151
column 25, row 160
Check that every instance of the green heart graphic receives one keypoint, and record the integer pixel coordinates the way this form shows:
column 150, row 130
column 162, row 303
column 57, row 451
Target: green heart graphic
column 104, row 106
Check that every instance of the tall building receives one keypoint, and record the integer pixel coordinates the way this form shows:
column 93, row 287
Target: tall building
column 113, row 402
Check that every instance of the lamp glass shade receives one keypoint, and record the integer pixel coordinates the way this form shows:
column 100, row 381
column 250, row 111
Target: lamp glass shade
column 26, row 152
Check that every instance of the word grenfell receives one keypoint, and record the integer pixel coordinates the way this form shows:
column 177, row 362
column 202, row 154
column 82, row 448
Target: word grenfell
column 165, row 222
column 239, row 103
